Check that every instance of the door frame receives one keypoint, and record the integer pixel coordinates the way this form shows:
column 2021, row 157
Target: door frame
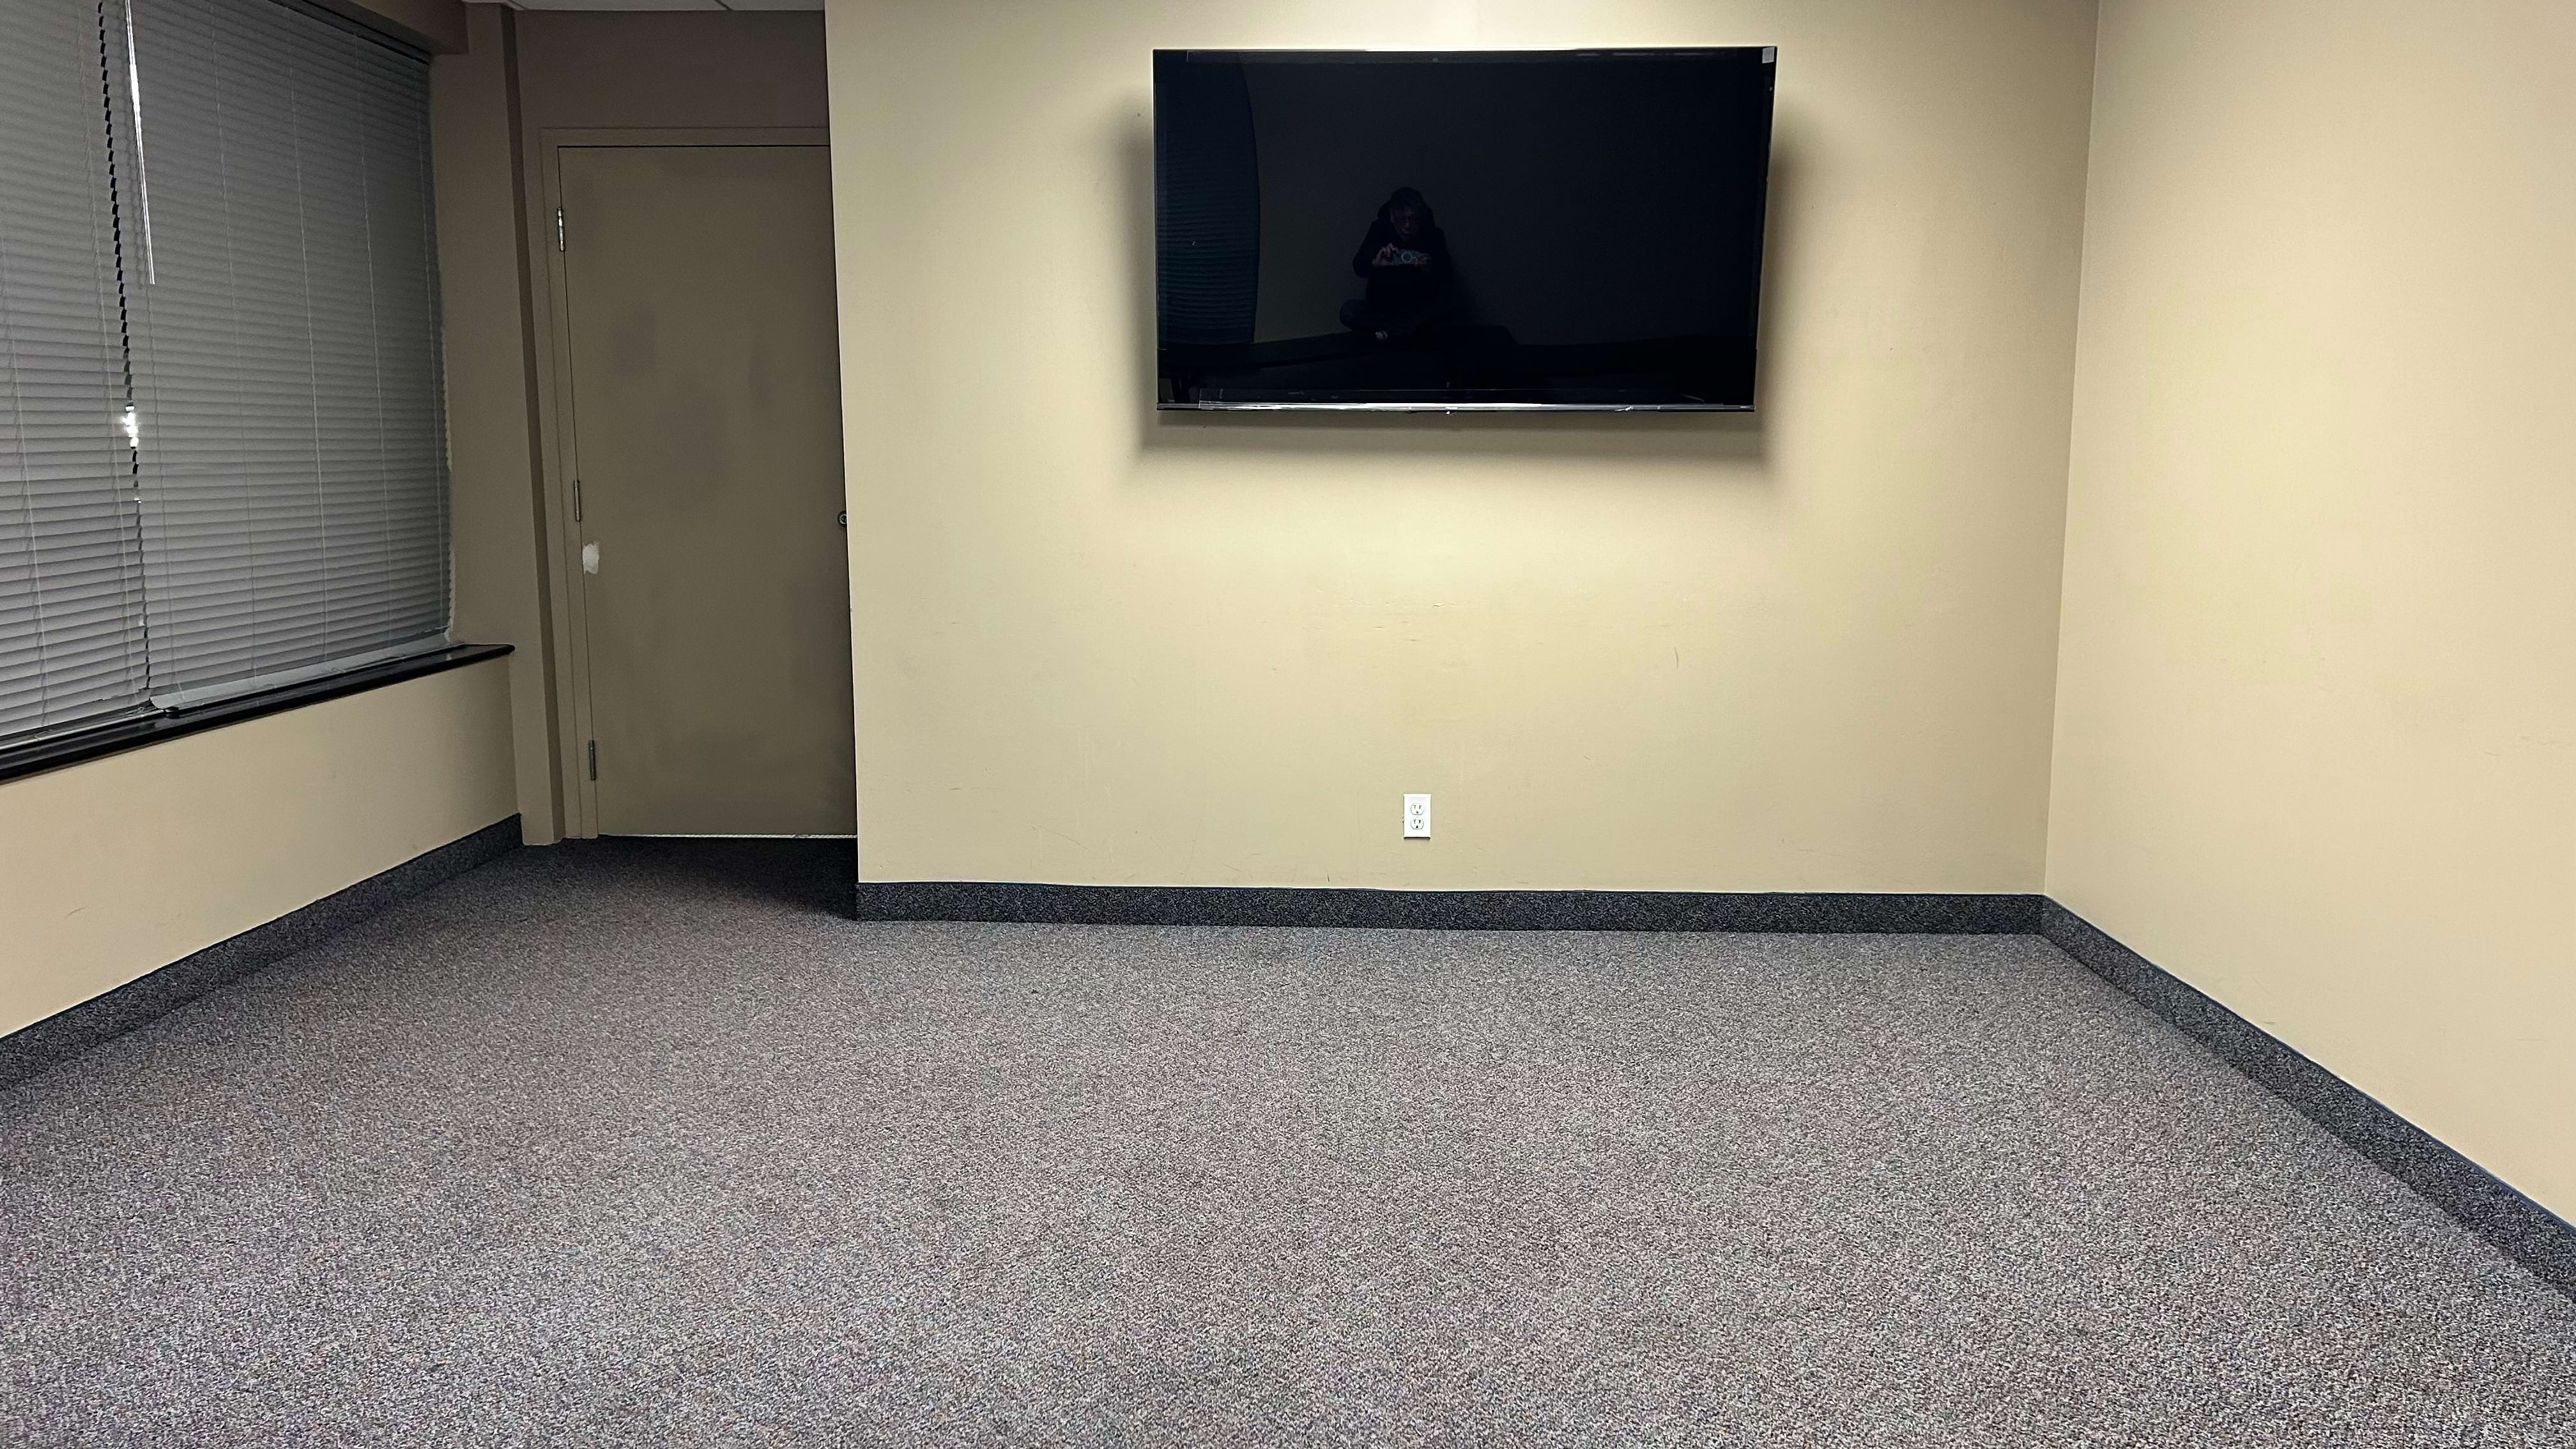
column 560, row 537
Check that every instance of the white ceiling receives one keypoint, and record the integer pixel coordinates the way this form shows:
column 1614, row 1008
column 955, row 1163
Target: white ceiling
column 665, row 4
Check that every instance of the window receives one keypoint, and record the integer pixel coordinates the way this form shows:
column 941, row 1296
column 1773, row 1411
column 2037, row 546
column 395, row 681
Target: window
column 71, row 568
column 237, row 478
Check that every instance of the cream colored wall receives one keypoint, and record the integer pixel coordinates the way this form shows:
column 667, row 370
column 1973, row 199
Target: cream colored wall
column 2316, row 747
column 1808, row 650
column 495, row 505
column 117, row 867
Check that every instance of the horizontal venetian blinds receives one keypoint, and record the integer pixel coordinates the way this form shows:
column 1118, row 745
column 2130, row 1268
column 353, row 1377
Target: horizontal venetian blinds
column 285, row 347
column 222, row 452
column 71, row 606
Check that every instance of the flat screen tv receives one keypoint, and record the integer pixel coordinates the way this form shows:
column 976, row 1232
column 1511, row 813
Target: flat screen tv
column 1448, row 230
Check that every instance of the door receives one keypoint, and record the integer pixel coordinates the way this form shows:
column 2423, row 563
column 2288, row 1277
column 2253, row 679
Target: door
column 706, row 427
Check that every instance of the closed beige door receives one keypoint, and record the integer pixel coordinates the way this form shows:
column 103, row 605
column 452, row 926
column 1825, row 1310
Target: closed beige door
column 704, row 362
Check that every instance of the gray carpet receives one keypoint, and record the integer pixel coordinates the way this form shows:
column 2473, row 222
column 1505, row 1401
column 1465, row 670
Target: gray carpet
column 640, row 1145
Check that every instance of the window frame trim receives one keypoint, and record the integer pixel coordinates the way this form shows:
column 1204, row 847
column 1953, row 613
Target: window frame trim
column 115, row 737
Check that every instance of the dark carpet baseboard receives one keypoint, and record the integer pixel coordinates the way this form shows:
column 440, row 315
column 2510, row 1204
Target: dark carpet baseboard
column 68, row 1033
column 1096, row 905
column 2523, row 1230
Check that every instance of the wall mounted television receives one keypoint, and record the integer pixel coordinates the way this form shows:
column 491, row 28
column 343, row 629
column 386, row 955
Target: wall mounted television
column 1453, row 230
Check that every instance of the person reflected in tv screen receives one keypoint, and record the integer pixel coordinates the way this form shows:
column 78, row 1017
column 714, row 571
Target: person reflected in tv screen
column 1405, row 260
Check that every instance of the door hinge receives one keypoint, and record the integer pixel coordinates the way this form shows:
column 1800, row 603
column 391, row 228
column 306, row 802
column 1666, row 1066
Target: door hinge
column 576, row 500
column 559, row 229
column 594, row 759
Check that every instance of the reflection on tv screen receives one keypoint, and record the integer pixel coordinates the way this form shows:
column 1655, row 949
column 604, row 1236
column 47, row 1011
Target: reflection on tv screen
column 1476, row 229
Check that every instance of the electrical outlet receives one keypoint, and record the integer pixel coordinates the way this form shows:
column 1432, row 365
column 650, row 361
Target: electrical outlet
column 1417, row 817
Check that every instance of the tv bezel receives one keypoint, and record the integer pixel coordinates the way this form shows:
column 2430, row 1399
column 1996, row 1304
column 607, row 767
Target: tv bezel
column 1766, row 55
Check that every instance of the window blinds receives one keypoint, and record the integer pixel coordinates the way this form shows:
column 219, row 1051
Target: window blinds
column 285, row 348
column 71, row 609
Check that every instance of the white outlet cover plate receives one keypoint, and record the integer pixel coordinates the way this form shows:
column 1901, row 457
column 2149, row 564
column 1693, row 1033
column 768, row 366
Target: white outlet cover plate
column 1417, row 817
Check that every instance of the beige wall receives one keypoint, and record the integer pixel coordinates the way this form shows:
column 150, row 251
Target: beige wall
column 1809, row 649
column 2316, row 746
column 486, row 299
column 117, row 867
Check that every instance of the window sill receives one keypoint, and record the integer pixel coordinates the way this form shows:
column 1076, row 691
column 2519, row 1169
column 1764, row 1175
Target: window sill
column 17, row 761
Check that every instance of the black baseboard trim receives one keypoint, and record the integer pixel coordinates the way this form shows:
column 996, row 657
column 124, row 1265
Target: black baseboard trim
column 1095, row 905
column 68, row 1033
column 2523, row 1230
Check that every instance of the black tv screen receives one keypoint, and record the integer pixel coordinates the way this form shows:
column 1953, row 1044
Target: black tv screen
column 1460, row 229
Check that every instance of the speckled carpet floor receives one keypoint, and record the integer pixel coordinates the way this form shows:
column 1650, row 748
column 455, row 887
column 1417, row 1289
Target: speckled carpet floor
column 639, row 1144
